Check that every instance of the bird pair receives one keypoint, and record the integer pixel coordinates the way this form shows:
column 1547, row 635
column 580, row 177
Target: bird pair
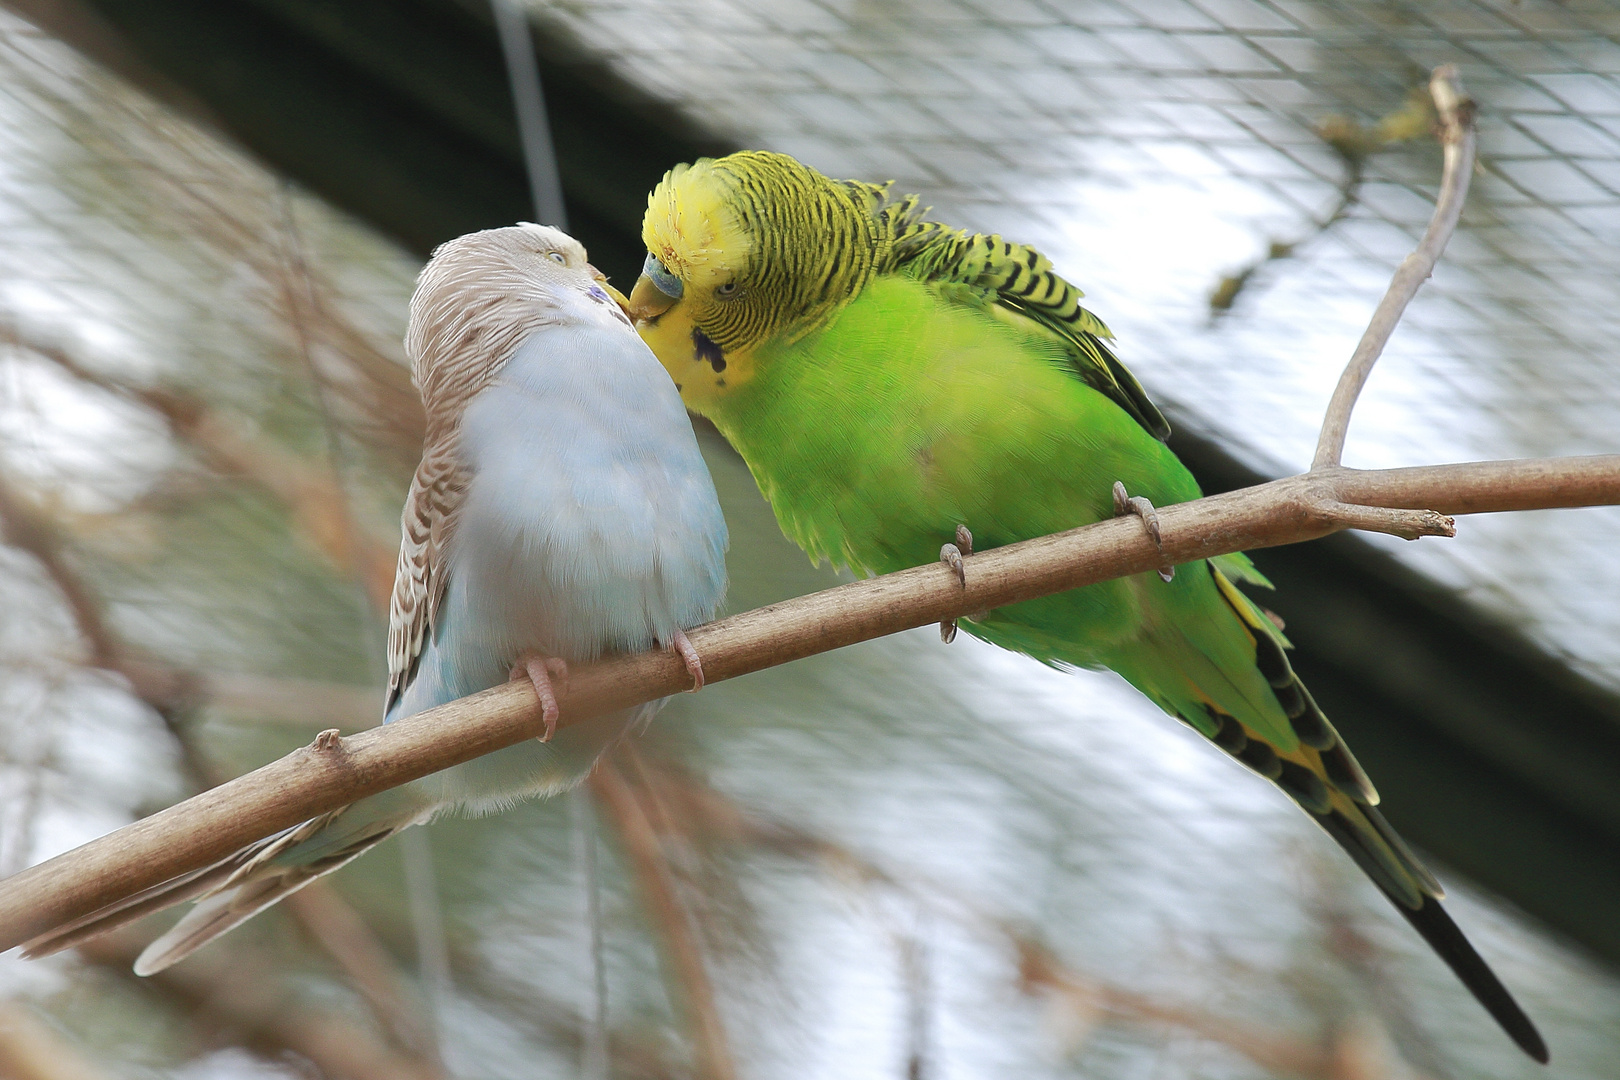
column 889, row 379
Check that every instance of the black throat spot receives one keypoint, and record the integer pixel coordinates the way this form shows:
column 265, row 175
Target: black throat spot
column 705, row 349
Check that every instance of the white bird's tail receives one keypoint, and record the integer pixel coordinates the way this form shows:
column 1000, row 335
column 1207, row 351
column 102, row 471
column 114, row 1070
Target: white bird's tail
column 237, row 887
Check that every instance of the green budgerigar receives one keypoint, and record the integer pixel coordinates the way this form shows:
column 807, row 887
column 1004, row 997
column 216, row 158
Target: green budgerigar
column 889, row 378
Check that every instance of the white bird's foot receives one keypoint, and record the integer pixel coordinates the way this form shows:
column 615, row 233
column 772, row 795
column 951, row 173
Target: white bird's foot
column 951, row 555
column 1125, row 503
column 540, row 671
column 682, row 646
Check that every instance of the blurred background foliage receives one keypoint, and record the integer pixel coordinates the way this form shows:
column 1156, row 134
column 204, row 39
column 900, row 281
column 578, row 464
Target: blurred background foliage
column 898, row 860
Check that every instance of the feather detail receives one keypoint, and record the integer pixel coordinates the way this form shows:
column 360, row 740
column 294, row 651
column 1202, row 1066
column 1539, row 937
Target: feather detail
column 1018, row 283
column 426, row 524
column 257, row 883
column 133, row 908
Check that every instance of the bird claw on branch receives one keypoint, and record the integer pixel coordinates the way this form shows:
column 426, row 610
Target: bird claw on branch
column 681, row 645
column 951, row 555
column 541, row 670
column 1126, row 503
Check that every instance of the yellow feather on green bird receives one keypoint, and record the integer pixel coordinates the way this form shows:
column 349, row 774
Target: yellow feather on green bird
column 888, row 378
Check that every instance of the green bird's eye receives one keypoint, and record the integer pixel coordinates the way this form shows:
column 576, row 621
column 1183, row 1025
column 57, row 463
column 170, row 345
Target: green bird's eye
column 726, row 291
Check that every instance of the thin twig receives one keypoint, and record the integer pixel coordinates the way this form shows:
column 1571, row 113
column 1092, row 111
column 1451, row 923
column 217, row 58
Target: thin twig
column 239, row 990
column 313, row 494
column 303, row 784
column 663, row 903
column 1457, row 137
column 595, row 1057
column 344, row 935
column 31, row 1049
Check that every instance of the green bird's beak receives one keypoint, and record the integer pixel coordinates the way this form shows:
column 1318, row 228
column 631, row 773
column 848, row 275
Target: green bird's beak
column 656, row 290
column 648, row 301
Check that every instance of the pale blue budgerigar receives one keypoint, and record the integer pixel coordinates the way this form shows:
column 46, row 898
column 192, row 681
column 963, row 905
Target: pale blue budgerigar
column 561, row 511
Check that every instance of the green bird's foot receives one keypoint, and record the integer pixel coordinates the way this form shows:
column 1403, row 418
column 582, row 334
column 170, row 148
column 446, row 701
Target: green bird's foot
column 681, row 645
column 540, row 670
column 1125, row 503
column 951, row 555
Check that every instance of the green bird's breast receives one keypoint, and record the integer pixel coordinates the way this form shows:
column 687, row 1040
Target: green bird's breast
column 908, row 414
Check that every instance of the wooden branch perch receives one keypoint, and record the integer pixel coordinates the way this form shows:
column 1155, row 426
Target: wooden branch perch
column 311, row 781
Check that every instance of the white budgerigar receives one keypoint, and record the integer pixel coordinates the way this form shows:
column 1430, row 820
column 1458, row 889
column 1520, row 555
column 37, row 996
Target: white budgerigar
column 562, row 510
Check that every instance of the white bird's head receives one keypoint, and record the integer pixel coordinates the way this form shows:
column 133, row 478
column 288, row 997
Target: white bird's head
column 482, row 294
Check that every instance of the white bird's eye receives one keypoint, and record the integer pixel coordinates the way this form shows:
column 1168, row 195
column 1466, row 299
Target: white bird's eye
column 558, row 256
column 726, row 291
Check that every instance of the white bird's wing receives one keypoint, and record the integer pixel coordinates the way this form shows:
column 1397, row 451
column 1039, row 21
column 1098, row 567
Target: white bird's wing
column 436, row 493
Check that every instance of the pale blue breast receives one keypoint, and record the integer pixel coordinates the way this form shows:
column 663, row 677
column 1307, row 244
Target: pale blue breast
column 590, row 525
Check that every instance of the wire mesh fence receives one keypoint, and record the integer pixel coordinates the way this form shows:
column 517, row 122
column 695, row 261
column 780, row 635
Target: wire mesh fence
column 900, row 860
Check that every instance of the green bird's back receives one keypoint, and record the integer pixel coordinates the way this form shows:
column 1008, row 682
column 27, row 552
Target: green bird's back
column 937, row 378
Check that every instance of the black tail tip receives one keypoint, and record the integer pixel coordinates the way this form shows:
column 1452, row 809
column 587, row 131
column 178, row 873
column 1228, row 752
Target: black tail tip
column 1448, row 940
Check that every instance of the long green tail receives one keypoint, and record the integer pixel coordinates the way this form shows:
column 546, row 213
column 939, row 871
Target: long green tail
column 1324, row 778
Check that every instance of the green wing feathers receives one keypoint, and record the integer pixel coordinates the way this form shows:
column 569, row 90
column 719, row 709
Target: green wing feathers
column 1021, row 282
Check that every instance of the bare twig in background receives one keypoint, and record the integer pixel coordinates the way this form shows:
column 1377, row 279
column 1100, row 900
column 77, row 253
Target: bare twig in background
column 1080, row 1002
column 595, row 1057
column 1354, row 144
column 1088, row 1000
column 1456, row 113
column 313, row 494
column 916, row 979
column 727, row 923
column 663, row 904
column 32, row 749
column 31, row 1050
column 340, row 931
column 168, row 691
column 174, row 694
column 1344, row 939
column 552, row 1024
column 228, row 207
column 302, row 703
column 238, row 989
column 336, row 531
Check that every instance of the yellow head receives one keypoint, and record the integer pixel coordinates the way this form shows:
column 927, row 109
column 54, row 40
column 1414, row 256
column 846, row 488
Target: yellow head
column 746, row 250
